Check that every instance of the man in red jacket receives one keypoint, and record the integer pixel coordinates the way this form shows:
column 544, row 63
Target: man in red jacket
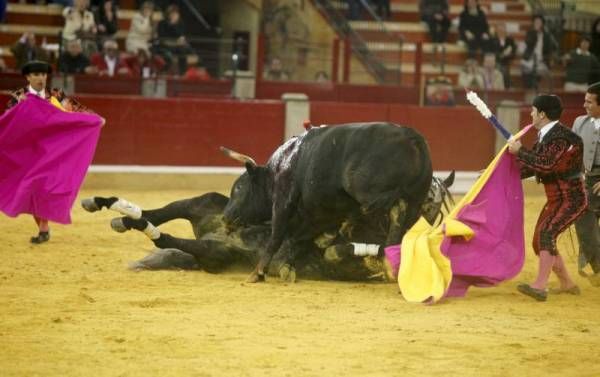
column 109, row 62
column 556, row 160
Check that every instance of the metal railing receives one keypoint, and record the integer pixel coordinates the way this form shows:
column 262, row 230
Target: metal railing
column 359, row 47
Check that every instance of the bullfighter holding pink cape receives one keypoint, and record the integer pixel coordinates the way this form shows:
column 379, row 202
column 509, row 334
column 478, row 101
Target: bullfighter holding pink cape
column 45, row 152
column 480, row 243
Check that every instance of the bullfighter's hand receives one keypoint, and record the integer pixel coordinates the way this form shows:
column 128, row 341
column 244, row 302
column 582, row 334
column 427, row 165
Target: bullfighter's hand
column 596, row 188
column 103, row 122
column 514, row 146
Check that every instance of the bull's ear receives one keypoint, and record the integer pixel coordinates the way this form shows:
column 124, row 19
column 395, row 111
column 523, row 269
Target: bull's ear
column 449, row 181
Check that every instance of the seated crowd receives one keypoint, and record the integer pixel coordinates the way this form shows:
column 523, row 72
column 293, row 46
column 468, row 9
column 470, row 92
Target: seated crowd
column 155, row 45
column 497, row 50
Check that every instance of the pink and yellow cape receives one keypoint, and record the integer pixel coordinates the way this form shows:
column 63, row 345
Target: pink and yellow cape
column 45, row 152
column 480, row 242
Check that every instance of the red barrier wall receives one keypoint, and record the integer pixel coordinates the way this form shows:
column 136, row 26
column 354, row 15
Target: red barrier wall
column 188, row 131
column 459, row 138
column 185, row 131
column 338, row 92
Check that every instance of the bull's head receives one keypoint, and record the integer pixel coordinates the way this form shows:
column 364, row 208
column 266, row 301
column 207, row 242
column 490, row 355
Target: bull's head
column 438, row 196
column 249, row 200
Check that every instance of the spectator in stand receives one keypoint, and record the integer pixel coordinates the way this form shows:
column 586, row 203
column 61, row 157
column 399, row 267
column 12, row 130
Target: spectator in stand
column 275, row 71
column 110, row 62
column 64, row 3
column 539, row 47
column 141, row 30
column 582, row 68
column 72, row 60
column 383, row 9
column 470, row 76
column 491, row 76
column 435, row 14
column 2, row 10
column 194, row 70
column 473, row 28
column 353, row 9
column 595, row 36
column 145, row 65
column 160, row 5
column 80, row 24
column 505, row 49
column 107, row 21
column 26, row 49
column 2, row 65
column 173, row 44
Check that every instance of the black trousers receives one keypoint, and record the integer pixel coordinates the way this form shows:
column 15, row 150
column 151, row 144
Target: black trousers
column 588, row 230
column 438, row 29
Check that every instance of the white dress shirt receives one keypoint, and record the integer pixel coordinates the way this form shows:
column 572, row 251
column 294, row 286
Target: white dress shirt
column 41, row 94
column 544, row 130
column 111, row 64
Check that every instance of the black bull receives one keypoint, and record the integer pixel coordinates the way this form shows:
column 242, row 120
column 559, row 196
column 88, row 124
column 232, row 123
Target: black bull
column 360, row 176
column 215, row 248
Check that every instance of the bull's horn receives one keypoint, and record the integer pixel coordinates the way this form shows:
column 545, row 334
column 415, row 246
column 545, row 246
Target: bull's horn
column 238, row 156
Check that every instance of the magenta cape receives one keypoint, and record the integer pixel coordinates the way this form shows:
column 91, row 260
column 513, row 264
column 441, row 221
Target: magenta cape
column 44, row 155
column 480, row 243
column 497, row 251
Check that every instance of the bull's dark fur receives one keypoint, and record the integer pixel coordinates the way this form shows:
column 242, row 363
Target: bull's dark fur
column 215, row 248
column 354, row 172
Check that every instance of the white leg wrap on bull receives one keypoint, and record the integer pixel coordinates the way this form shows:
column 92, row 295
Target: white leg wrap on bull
column 363, row 249
column 152, row 232
column 127, row 208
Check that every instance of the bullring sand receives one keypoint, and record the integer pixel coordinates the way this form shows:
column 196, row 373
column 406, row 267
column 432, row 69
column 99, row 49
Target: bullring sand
column 71, row 308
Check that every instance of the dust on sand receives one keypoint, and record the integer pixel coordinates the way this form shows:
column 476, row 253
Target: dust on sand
column 71, row 307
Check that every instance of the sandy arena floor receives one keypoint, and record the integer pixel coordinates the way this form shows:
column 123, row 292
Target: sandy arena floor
column 71, row 308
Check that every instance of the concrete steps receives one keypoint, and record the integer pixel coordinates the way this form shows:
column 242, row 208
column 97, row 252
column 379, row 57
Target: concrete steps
column 405, row 25
column 10, row 33
column 51, row 15
column 409, row 12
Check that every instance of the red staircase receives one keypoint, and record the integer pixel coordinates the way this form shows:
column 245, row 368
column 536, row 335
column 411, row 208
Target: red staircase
column 46, row 21
column 405, row 24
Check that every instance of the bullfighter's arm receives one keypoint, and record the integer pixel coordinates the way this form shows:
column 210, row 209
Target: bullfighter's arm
column 545, row 160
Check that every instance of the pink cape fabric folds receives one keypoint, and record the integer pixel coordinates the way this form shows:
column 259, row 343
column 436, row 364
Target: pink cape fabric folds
column 487, row 248
column 44, row 155
column 497, row 251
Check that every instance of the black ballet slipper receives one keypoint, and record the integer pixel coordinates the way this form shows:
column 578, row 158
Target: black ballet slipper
column 40, row 238
column 537, row 294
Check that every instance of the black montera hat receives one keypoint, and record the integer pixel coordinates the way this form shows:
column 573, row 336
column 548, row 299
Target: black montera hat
column 36, row 66
column 549, row 104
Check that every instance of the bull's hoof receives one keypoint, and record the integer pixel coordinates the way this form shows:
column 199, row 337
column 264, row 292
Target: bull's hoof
column 331, row 255
column 287, row 273
column 89, row 204
column 336, row 253
column 117, row 225
column 255, row 277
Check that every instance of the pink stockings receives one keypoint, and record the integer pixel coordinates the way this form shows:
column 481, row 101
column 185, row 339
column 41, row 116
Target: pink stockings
column 547, row 264
column 561, row 272
column 42, row 224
